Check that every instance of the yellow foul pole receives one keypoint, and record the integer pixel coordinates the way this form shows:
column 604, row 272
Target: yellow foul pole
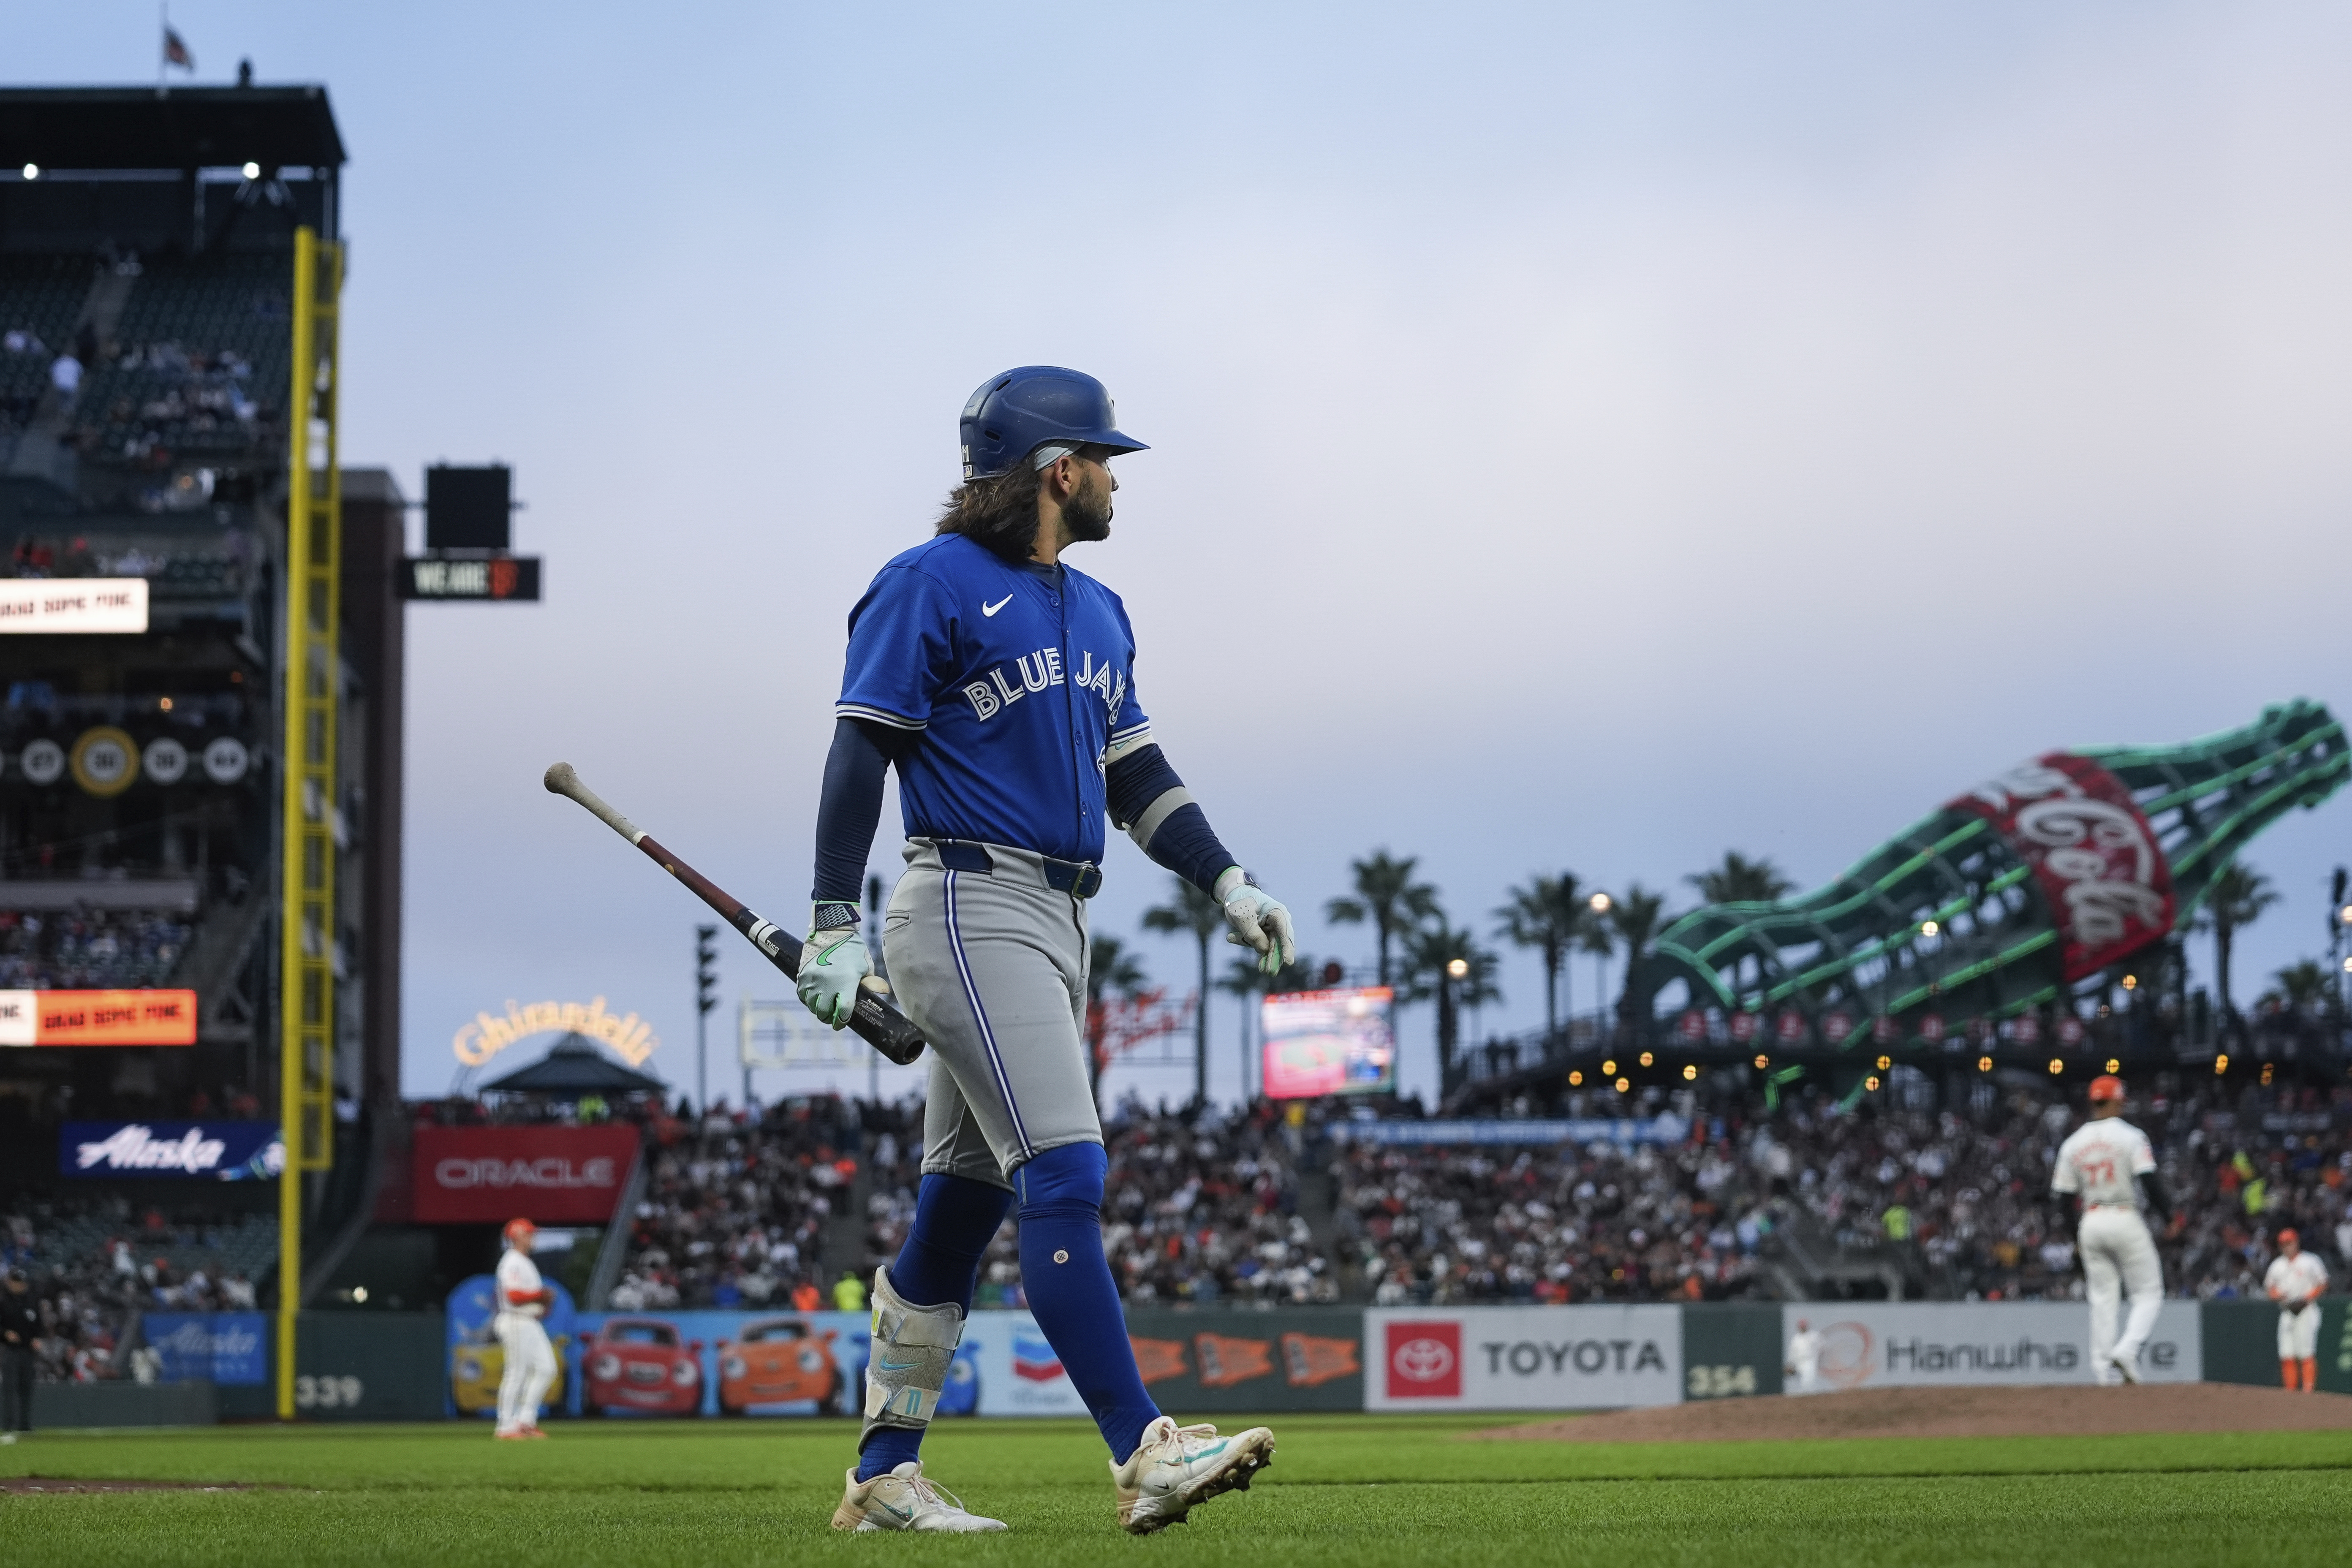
column 309, row 686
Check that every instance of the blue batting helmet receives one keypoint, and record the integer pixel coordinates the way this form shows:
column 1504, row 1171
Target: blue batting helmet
column 1014, row 413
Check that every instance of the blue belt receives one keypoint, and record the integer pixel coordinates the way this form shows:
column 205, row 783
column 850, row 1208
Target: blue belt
column 1079, row 879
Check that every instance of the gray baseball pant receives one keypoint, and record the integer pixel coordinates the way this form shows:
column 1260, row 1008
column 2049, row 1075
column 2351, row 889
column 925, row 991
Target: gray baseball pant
column 992, row 966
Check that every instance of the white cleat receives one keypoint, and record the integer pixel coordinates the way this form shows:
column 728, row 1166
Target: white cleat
column 1175, row 1467
column 2127, row 1364
column 904, row 1500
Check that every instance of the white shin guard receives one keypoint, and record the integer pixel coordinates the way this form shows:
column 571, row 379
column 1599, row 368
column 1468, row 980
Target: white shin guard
column 906, row 1364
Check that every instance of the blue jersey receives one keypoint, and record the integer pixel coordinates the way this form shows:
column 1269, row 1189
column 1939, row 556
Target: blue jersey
column 1018, row 683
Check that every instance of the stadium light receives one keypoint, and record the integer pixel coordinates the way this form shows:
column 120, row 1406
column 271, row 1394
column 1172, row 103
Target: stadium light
column 1984, row 1064
column 1762, row 1062
column 1623, row 1085
column 32, row 172
column 1646, row 1058
column 1870, row 1083
column 251, row 171
column 1690, row 1072
column 1458, row 967
column 1609, row 1067
column 2057, row 1065
column 1576, row 1078
column 2343, row 915
column 2347, row 965
column 1885, row 1062
column 2114, row 1066
column 1928, row 928
column 2131, row 981
column 2220, row 1064
column 1598, row 903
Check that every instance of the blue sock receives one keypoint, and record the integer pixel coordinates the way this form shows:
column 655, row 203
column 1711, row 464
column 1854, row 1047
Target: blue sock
column 1071, row 1293
column 955, row 1219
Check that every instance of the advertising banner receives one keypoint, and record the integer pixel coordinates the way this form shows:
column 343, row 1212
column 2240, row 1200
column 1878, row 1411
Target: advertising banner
column 2093, row 855
column 1327, row 1042
column 1623, row 1131
column 74, row 605
column 1956, row 1344
column 1523, row 1358
column 1212, row 1362
column 555, row 1175
column 477, row 1361
column 98, row 1017
column 217, row 1150
column 226, row 1348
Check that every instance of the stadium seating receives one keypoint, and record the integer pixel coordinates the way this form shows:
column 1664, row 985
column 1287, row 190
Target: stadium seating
column 187, row 375
column 94, row 1267
column 89, row 949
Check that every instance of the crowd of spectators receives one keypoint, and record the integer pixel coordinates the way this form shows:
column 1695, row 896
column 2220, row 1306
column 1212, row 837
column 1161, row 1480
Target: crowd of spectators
column 89, row 949
column 736, row 1206
column 95, row 1270
column 1957, row 1202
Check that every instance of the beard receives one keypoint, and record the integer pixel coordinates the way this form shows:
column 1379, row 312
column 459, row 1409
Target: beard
column 1087, row 514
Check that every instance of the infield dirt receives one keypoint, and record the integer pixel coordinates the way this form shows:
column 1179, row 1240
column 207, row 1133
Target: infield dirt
column 2071, row 1412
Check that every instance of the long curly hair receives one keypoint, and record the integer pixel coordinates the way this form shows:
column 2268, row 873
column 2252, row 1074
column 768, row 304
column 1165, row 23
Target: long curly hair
column 999, row 512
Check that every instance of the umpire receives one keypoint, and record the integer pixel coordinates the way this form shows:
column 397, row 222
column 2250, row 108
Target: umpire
column 20, row 1325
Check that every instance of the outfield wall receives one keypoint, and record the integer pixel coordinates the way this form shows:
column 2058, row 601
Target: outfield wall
column 394, row 1366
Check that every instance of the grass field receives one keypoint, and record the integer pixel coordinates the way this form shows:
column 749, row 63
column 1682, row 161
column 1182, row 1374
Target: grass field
column 1343, row 1490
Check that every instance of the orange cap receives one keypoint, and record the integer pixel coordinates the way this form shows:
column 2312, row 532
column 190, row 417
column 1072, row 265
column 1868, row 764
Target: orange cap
column 2289, row 1234
column 2106, row 1085
column 519, row 1230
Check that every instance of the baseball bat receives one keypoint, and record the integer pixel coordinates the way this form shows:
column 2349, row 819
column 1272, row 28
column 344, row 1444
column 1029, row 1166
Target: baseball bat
column 877, row 1022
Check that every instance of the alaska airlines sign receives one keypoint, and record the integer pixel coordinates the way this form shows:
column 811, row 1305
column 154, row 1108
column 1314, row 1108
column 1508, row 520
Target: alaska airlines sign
column 484, row 1035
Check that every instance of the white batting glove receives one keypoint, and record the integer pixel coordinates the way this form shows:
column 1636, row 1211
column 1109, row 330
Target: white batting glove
column 832, row 964
column 1258, row 920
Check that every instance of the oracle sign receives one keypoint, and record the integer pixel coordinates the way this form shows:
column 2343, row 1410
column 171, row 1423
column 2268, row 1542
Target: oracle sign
column 567, row 1176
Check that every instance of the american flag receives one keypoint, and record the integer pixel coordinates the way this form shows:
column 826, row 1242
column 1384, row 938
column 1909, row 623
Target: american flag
column 175, row 50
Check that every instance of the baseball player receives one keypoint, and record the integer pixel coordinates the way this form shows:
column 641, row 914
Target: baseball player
column 2108, row 1165
column 999, row 683
column 1804, row 1363
column 530, row 1359
column 2295, row 1281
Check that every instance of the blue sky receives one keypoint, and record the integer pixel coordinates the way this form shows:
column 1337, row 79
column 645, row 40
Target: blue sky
column 1587, row 437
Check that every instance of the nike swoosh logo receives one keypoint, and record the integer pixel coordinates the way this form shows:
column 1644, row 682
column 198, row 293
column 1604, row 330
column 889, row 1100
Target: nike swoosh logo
column 886, row 1364
column 992, row 609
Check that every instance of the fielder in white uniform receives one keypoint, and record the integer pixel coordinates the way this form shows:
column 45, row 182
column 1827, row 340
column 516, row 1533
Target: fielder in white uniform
column 2295, row 1281
column 2109, row 1165
column 530, row 1359
column 1804, row 1363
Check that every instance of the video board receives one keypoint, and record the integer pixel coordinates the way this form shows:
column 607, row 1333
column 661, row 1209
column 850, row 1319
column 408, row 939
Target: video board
column 1329, row 1042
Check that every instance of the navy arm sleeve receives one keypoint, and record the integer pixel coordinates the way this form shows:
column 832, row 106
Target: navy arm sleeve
column 1150, row 801
column 850, row 809
column 2152, row 1193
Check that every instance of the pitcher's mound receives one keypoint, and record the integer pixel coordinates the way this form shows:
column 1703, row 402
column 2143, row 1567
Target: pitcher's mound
column 2066, row 1412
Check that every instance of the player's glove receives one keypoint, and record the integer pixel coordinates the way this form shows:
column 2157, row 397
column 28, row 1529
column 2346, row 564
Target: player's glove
column 1259, row 921
column 832, row 964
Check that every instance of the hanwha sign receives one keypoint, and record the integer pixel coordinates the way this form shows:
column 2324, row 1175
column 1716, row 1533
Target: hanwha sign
column 1424, row 1361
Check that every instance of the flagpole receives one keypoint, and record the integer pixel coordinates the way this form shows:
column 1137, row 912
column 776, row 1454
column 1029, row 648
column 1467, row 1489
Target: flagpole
column 162, row 45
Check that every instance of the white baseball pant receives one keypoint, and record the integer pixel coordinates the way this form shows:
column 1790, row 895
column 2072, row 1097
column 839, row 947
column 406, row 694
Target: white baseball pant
column 2118, row 1260
column 2298, row 1333
column 530, row 1368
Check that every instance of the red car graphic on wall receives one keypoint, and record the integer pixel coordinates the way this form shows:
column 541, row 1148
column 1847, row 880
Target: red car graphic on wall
column 642, row 1364
column 775, row 1361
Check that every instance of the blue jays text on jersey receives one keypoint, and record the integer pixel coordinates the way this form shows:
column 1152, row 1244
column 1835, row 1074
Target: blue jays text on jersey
column 1018, row 679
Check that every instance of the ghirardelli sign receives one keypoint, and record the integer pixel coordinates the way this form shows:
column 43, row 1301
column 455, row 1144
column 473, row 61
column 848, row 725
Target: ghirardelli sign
column 2093, row 855
column 551, row 1174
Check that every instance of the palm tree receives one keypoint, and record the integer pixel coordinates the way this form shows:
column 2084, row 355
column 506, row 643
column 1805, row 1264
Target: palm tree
column 1546, row 914
column 1387, row 896
column 1431, row 954
column 1111, row 970
column 1196, row 911
column 2302, row 982
column 1599, row 938
column 2237, row 896
column 1739, row 881
column 1637, row 914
